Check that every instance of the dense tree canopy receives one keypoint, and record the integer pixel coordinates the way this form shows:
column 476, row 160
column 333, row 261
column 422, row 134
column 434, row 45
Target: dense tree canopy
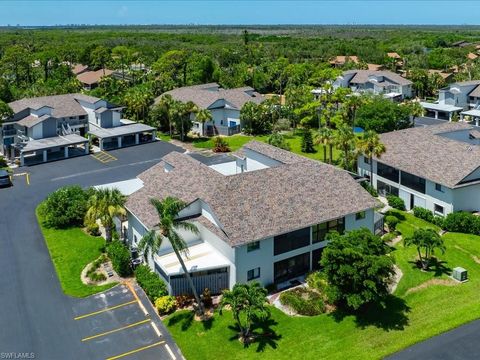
column 382, row 115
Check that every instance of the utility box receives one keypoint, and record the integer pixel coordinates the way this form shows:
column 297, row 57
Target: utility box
column 460, row 274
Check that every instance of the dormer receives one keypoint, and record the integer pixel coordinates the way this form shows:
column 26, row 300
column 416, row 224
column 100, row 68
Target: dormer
column 40, row 111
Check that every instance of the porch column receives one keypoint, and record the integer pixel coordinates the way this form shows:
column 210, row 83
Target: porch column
column 137, row 139
column 461, row 117
column 119, row 141
column 87, row 148
column 65, row 150
column 45, row 156
column 100, row 144
column 22, row 159
column 12, row 153
column 450, row 116
column 436, row 114
column 154, row 135
column 476, row 121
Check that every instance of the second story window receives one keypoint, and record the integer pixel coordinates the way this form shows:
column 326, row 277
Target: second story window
column 253, row 274
column 321, row 230
column 360, row 215
column 438, row 187
column 253, row 246
column 366, row 160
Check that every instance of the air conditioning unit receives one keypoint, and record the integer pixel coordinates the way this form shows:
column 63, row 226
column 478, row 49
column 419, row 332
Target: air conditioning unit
column 460, row 274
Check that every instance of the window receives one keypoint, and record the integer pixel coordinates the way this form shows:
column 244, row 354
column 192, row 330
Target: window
column 82, row 117
column 291, row 241
column 438, row 187
column 387, row 172
column 316, row 257
column 386, row 189
column 253, row 274
column 413, row 182
column 366, row 160
column 321, row 230
column 291, row 267
column 253, row 246
column 438, row 209
column 360, row 215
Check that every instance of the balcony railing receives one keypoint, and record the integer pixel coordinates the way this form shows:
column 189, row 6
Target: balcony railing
column 9, row 132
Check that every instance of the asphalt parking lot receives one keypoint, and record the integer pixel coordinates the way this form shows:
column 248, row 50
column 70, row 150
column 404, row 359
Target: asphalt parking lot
column 116, row 324
column 37, row 317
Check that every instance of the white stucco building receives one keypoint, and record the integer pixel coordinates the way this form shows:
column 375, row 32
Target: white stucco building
column 436, row 167
column 262, row 215
column 224, row 105
column 378, row 82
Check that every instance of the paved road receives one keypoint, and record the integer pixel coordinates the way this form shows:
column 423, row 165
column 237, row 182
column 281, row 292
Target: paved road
column 35, row 314
column 458, row 344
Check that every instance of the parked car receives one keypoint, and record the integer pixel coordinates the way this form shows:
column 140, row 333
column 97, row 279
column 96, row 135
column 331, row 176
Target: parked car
column 5, row 178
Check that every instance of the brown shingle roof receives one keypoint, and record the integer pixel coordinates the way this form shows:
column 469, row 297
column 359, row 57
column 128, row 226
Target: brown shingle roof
column 425, row 153
column 393, row 55
column 62, row 105
column 363, row 76
column 342, row 59
column 79, row 68
column 258, row 204
column 93, row 77
column 32, row 120
column 475, row 92
column 204, row 96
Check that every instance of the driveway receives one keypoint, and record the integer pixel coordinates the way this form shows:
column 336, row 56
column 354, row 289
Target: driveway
column 457, row 344
column 35, row 314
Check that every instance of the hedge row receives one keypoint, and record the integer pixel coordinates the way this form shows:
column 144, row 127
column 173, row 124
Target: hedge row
column 460, row 221
column 150, row 282
column 120, row 257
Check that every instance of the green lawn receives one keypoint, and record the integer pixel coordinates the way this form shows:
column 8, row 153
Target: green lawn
column 409, row 316
column 235, row 142
column 71, row 250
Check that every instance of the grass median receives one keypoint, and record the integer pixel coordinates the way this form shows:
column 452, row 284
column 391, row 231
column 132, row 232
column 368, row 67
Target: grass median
column 71, row 250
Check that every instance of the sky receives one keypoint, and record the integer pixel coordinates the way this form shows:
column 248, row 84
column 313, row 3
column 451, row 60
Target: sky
column 244, row 12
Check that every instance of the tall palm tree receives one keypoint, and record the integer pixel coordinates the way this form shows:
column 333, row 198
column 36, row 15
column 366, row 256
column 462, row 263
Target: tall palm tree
column 344, row 139
column 167, row 105
column 416, row 110
column 370, row 145
column 202, row 116
column 325, row 138
column 168, row 214
column 104, row 205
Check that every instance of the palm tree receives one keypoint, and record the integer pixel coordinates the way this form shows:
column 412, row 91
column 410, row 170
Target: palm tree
column 427, row 240
column 104, row 205
column 416, row 110
column 202, row 116
column 370, row 145
column 344, row 139
column 167, row 105
column 325, row 138
column 248, row 302
column 168, row 214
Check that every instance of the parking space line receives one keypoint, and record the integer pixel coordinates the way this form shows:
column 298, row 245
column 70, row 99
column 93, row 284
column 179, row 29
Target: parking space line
column 135, row 351
column 103, row 310
column 170, row 352
column 116, row 330
column 155, row 328
column 132, row 290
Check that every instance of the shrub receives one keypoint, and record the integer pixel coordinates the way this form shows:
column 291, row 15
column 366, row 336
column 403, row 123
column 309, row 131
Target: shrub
column 395, row 202
column 3, row 163
column 166, row 304
column 120, row 257
column 65, row 207
column 389, row 236
column 317, row 280
column 366, row 185
column 97, row 276
column 303, row 301
column 93, row 229
column 150, row 282
column 391, row 222
column 278, row 140
column 462, row 222
column 439, row 221
column 184, row 301
column 423, row 213
column 220, row 144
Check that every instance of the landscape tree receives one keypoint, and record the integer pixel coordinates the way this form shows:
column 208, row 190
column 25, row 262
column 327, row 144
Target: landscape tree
column 203, row 116
column 5, row 111
column 100, row 57
column 65, row 207
column 248, row 303
column 325, row 138
column 181, row 117
column 357, row 267
column 105, row 204
column 169, row 222
column 171, row 69
column 369, row 145
column 415, row 110
column 122, row 56
column 382, row 115
column 278, row 139
column 344, row 140
column 138, row 100
column 426, row 241
column 307, row 141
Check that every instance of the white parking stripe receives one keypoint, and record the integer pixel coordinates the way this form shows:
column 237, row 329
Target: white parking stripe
column 170, row 352
column 155, row 328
